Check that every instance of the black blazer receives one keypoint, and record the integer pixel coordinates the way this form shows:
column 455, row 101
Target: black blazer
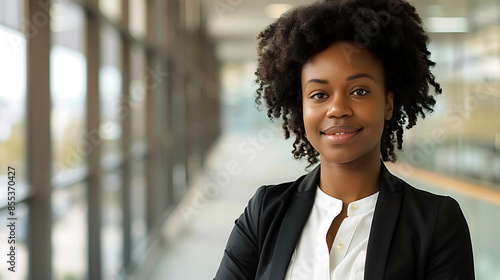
column 414, row 234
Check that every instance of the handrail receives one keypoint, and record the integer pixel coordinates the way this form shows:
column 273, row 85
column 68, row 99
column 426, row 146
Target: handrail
column 445, row 182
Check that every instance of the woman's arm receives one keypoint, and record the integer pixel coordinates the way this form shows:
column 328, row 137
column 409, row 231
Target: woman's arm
column 241, row 255
column 451, row 253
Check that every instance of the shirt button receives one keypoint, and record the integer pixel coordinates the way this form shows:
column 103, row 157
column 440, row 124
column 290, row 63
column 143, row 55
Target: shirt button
column 354, row 207
column 340, row 246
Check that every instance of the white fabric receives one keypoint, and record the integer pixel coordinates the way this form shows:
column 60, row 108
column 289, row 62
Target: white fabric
column 346, row 260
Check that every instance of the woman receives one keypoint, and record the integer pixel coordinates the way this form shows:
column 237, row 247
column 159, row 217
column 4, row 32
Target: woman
column 346, row 77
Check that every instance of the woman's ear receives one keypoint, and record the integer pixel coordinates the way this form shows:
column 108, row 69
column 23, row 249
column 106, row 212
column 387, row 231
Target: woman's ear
column 389, row 105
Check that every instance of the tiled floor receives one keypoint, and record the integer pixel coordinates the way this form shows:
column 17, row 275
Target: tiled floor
column 197, row 232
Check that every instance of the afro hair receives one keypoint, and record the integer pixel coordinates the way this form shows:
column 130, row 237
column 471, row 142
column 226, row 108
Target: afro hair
column 391, row 29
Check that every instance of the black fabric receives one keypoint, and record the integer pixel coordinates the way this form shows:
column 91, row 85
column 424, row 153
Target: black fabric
column 414, row 234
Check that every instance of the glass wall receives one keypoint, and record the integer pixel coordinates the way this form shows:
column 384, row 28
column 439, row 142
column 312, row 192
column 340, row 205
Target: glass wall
column 110, row 81
column 462, row 138
column 68, row 87
column 13, row 137
column 85, row 120
column 21, row 234
column 69, row 232
column 12, row 88
column 112, row 224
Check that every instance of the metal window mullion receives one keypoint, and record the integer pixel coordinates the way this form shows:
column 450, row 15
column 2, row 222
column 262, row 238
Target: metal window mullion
column 94, row 159
column 126, row 139
column 182, row 102
column 170, row 152
column 150, row 128
column 38, row 132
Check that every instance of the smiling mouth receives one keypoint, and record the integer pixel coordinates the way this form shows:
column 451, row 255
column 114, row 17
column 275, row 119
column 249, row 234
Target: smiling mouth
column 341, row 137
column 341, row 133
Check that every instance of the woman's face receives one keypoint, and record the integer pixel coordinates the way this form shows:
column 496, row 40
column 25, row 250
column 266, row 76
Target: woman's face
column 345, row 103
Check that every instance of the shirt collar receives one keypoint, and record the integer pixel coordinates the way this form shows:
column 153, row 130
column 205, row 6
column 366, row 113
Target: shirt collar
column 362, row 206
column 354, row 208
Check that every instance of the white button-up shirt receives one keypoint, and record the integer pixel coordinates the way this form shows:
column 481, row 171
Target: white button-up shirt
column 346, row 259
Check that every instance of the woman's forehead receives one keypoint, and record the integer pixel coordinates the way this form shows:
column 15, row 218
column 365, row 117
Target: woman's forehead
column 343, row 58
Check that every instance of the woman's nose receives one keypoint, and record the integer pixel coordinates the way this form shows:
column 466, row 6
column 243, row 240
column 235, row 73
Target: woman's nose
column 339, row 107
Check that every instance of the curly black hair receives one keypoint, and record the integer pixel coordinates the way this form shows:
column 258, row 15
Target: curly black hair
column 391, row 29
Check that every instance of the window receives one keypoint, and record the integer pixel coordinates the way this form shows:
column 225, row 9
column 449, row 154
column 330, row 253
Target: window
column 13, row 103
column 11, row 13
column 21, row 245
column 137, row 17
column 68, row 87
column 76, row 50
column 111, row 9
column 69, row 232
column 462, row 138
column 110, row 88
column 111, row 228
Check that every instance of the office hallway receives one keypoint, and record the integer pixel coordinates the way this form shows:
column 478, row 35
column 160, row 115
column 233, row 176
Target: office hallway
column 198, row 230
column 130, row 140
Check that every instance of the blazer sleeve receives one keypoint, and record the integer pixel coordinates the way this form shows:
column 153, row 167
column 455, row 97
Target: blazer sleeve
column 451, row 253
column 241, row 255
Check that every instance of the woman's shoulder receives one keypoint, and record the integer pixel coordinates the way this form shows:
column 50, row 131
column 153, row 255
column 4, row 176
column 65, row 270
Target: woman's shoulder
column 415, row 192
column 429, row 203
column 280, row 189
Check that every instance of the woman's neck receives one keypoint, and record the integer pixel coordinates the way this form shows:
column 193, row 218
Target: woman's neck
column 350, row 181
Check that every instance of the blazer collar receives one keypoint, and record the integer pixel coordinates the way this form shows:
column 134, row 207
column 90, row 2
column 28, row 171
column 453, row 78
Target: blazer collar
column 388, row 182
column 298, row 210
column 384, row 221
column 300, row 205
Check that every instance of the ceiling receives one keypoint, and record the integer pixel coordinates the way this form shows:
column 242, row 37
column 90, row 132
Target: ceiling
column 234, row 24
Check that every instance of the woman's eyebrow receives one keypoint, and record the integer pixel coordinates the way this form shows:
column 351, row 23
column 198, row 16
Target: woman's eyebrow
column 319, row 81
column 361, row 75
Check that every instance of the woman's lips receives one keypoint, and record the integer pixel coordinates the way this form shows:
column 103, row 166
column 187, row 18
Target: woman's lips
column 340, row 134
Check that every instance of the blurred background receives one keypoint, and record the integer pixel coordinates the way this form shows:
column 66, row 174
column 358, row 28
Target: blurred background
column 136, row 144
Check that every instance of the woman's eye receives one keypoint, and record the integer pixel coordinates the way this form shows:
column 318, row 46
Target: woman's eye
column 318, row 95
column 360, row 92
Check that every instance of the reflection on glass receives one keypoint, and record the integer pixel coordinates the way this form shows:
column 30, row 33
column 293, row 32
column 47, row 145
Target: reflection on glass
column 68, row 87
column 111, row 9
column 69, row 232
column 137, row 17
column 68, row 25
column 12, row 101
column 112, row 225
column 110, row 80
column 21, row 244
column 68, row 108
column 462, row 138
column 138, row 95
column 68, row 80
column 11, row 13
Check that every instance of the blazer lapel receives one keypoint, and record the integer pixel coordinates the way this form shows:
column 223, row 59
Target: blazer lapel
column 383, row 224
column 294, row 220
